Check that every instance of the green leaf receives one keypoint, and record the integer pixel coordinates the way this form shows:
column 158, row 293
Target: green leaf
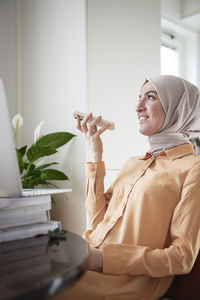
column 33, row 182
column 58, row 234
column 22, row 150
column 53, row 202
column 31, row 169
column 28, row 183
column 55, row 140
column 36, row 152
column 20, row 161
column 25, row 165
column 46, row 166
column 51, row 174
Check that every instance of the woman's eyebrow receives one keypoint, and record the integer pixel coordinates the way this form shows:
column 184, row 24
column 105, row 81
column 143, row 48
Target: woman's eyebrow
column 151, row 92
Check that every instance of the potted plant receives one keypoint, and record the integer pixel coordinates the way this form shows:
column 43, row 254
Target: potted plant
column 33, row 171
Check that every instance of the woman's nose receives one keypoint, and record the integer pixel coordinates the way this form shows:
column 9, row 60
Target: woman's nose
column 141, row 106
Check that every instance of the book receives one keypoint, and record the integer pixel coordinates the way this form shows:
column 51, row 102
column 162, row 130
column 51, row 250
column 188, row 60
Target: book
column 27, row 218
column 24, row 210
column 25, row 231
column 22, row 204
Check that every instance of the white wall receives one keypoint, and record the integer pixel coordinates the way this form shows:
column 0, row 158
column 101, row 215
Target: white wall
column 53, row 84
column 172, row 7
column 123, row 48
column 190, row 7
column 8, row 51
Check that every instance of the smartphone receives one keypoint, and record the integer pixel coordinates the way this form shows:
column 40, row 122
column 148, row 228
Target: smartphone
column 101, row 123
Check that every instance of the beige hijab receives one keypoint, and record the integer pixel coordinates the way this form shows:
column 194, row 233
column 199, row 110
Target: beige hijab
column 181, row 103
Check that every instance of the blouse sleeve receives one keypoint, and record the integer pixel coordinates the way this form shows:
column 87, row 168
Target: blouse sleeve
column 179, row 257
column 96, row 199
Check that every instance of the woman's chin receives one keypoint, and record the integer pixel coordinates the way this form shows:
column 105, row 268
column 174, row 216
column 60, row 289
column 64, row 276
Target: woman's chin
column 144, row 132
column 147, row 131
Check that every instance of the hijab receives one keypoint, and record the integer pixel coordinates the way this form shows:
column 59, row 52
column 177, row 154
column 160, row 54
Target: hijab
column 181, row 103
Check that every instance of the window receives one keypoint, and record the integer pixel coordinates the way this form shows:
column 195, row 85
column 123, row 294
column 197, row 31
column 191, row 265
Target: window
column 169, row 55
column 180, row 51
column 169, row 61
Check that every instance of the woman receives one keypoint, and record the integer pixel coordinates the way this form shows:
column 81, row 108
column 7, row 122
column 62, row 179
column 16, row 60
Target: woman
column 146, row 227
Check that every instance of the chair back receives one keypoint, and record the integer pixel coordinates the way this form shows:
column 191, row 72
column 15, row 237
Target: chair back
column 186, row 287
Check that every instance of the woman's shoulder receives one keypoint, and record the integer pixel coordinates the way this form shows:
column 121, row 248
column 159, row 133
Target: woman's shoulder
column 192, row 158
column 189, row 163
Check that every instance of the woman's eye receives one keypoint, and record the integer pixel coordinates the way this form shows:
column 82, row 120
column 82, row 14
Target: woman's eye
column 151, row 97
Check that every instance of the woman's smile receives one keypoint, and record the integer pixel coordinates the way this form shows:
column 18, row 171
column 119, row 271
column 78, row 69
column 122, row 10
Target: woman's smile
column 142, row 118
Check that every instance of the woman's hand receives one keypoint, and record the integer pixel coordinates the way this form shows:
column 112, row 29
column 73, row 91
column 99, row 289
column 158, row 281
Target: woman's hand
column 95, row 259
column 92, row 135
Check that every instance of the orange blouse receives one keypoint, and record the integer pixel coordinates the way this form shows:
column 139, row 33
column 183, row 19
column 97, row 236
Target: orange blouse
column 148, row 222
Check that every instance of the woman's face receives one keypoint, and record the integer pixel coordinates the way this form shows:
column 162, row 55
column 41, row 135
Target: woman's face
column 149, row 110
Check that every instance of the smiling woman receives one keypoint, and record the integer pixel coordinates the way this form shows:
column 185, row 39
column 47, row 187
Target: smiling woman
column 145, row 227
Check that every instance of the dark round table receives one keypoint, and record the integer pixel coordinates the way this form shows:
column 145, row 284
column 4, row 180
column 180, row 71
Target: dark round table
column 41, row 267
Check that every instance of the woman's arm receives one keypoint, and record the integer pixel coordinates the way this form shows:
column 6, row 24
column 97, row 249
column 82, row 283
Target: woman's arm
column 96, row 201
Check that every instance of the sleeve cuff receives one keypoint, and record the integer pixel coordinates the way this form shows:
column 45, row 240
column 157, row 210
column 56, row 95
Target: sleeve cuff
column 96, row 169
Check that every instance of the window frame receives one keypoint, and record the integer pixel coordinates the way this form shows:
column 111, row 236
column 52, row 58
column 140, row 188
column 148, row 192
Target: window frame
column 186, row 42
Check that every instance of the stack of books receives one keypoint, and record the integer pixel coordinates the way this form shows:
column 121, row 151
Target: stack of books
column 25, row 217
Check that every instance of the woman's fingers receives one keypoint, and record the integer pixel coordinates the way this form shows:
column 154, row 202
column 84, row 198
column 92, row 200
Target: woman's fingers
column 102, row 129
column 89, row 125
column 84, row 123
column 92, row 130
column 92, row 127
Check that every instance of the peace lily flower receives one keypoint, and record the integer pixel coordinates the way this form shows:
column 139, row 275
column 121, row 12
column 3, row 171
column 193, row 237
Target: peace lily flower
column 17, row 122
column 37, row 131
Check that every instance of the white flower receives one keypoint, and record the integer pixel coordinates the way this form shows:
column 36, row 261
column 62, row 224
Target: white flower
column 17, row 121
column 37, row 134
